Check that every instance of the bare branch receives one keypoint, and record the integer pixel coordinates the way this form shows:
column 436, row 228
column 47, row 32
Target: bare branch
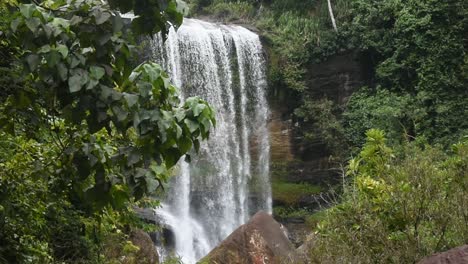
column 330, row 10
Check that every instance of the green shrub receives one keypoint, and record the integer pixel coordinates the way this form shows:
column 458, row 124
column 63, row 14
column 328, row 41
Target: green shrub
column 394, row 113
column 283, row 212
column 312, row 220
column 231, row 11
column 320, row 122
column 291, row 193
column 398, row 208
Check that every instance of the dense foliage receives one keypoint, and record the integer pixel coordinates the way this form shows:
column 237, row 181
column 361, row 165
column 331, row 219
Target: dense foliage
column 86, row 132
column 399, row 207
column 419, row 54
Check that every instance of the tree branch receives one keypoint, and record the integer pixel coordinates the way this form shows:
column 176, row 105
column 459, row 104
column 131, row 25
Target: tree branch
column 330, row 10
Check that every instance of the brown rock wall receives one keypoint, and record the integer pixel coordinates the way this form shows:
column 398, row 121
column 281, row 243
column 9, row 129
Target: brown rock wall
column 457, row 255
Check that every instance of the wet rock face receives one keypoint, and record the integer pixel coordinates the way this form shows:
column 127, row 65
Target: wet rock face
column 457, row 255
column 260, row 241
column 280, row 129
column 297, row 160
column 334, row 79
column 338, row 77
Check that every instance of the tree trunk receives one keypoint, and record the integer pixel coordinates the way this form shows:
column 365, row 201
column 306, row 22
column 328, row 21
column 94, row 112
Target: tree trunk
column 331, row 15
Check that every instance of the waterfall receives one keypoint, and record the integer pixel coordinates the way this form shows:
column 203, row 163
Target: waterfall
column 228, row 181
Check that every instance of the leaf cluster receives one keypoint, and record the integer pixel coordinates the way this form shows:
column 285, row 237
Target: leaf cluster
column 106, row 132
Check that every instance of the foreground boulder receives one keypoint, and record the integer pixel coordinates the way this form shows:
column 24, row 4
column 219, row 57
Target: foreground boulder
column 147, row 253
column 260, row 241
column 457, row 255
column 303, row 252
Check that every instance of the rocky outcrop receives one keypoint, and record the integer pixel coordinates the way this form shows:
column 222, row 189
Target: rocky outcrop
column 297, row 230
column 457, row 255
column 146, row 214
column 164, row 236
column 303, row 252
column 147, row 253
column 260, row 241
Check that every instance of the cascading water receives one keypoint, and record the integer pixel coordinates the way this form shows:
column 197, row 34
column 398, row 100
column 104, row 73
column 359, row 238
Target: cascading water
column 228, row 180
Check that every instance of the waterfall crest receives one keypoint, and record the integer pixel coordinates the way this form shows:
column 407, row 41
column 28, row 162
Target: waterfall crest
column 228, row 180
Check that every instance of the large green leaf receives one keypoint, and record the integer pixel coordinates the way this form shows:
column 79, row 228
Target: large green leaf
column 33, row 61
column 15, row 23
column 27, row 10
column 33, row 23
column 62, row 71
column 185, row 144
column 120, row 113
column 198, row 109
column 131, row 99
column 96, row 72
column 52, row 58
column 192, row 125
column 101, row 16
column 77, row 80
column 62, row 49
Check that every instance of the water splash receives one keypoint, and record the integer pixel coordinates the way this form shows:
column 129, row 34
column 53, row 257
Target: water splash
column 228, row 180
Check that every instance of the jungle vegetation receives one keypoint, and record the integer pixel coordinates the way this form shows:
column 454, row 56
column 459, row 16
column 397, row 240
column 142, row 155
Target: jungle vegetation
column 87, row 133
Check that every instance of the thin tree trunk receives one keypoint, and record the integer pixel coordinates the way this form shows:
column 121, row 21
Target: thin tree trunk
column 331, row 15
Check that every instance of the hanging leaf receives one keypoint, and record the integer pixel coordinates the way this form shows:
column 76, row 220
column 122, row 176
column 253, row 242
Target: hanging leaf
column 62, row 49
column 52, row 58
column 33, row 61
column 131, row 99
column 15, row 23
column 192, row 126
column 77, row 80
column 185, row 144
column 27, row 10
column 133, row 158
column 33, row 23
column 120, row 113
column 44, row 49
column 96, row 72
column 198, row 109
column 58, row 25
column 101, row 16
column 62, row 71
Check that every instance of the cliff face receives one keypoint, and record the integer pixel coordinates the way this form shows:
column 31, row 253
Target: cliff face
column 296, row 161
column 335, row 79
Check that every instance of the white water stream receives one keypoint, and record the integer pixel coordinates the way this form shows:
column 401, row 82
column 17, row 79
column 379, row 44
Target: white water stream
column 228, row 181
